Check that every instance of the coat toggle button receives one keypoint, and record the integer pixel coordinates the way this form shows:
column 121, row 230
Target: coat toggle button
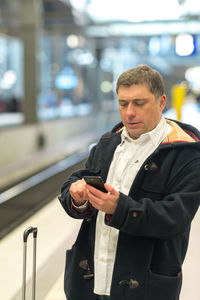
column 84, row 265
column 131, row 283
column 151, row 166
column 134, row 214
column 89, row 220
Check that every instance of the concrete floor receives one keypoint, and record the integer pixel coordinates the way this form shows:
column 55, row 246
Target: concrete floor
column 56, row 233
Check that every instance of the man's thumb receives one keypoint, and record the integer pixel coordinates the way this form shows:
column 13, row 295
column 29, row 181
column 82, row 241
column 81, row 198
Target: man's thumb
column 109, row 188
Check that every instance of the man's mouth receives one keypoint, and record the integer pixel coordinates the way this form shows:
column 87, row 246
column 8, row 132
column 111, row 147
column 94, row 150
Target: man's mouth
column 133, row 123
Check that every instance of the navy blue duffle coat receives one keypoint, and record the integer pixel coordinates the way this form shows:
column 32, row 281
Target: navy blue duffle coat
column 153, row 220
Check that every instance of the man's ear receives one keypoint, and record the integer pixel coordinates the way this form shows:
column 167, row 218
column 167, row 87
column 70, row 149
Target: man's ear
column 163, row 100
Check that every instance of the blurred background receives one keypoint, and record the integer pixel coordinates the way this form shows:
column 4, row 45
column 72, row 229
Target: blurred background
column 59, row 59
column 59, row 62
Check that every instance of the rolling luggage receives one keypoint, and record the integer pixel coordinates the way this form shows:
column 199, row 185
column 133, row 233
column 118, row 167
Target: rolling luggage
column 29, row 230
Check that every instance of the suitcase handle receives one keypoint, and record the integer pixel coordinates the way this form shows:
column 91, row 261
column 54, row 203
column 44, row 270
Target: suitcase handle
column 29, row 230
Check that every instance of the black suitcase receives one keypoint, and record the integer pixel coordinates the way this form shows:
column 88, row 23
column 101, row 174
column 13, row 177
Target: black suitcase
column 29, row 230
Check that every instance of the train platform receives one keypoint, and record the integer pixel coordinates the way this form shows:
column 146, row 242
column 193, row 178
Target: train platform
column 28, row 165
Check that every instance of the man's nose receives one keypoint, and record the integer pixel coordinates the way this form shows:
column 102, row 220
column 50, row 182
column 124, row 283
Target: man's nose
column 130, row 110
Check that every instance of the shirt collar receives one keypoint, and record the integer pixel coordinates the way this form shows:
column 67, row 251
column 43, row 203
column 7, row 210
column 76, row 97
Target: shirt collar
column 155, row 135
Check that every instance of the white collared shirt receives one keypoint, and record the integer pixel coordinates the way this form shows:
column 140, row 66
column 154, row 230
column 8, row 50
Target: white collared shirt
column 128, row 158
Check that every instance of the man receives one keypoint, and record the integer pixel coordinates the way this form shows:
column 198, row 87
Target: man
column 133, row 239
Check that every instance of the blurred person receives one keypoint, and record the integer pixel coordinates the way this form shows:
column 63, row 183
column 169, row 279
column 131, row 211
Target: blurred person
column 134, row 238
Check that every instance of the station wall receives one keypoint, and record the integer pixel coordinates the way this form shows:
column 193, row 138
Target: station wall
column 21, row 141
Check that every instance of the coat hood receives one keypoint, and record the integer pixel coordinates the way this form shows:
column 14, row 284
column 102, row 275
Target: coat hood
column 180, row 133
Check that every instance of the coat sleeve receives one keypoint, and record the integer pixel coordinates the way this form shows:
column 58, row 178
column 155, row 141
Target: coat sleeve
column 65, row 198
column 161, row 219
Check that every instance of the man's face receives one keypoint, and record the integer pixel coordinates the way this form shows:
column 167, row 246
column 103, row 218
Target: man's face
column 140, row 111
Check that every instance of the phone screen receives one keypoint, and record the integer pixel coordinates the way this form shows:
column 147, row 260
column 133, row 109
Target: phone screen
column 95, row 181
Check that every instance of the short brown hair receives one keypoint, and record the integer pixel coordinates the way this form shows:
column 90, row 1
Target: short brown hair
column 142, row 74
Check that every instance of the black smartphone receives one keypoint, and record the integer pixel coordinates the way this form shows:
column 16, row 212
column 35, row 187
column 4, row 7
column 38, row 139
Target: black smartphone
column 95, row 181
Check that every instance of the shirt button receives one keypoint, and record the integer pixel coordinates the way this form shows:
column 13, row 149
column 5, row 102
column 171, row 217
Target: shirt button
column 116, row 186
column 135, row 214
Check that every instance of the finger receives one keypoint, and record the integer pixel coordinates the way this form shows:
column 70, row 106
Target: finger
column 95, row 191
column 110, row 189
column 77, row 190
column 91, row 195
column 75, row 195
column 95, row 202
column 83, row 180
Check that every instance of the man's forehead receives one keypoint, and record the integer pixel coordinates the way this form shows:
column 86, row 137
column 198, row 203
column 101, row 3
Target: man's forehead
column 135, row 90
column 134, row 87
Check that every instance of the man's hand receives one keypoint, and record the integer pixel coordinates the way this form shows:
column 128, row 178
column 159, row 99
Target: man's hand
column 106, row 202
column 78, row 192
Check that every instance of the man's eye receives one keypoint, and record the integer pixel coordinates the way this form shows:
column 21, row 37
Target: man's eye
column 139, row 103
column 122, row 104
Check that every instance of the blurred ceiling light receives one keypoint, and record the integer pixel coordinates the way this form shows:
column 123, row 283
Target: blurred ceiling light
column 84, row 58
column 133, row 10
column 72, row 41
column 190, row 7
column 66, row 81
column 106, row 86
column 184, row 44
column 8, row 80
column 192, row 75
column 106, row 64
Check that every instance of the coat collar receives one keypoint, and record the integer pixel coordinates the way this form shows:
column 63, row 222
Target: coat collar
column 177, row 135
